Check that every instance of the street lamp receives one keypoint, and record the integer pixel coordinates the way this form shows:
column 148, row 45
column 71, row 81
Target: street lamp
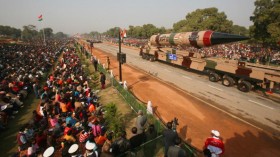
column 120, row 56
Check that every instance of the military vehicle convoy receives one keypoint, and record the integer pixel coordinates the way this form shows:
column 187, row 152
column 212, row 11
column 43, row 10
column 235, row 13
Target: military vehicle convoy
column 230, row 72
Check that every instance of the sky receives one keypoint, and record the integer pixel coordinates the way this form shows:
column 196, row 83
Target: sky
column 84, row 16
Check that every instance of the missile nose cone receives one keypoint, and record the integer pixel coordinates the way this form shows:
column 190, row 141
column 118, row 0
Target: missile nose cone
column 222, row 38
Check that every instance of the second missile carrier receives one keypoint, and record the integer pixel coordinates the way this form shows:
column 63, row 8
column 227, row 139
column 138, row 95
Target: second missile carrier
column 230, row 72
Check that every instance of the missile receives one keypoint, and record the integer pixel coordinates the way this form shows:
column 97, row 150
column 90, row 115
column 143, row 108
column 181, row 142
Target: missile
column 194, row 39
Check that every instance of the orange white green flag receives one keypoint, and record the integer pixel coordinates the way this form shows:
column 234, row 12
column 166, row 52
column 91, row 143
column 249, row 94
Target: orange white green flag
column 40, row 17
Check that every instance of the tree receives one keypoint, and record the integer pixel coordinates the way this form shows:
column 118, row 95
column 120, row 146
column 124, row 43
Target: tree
column 60, row 35
column 144, row 31
column 204, row 19
column 266, row 19
column 10, row 31
column 240, row 30
column 29, row 32
column 48, row 32
column 112, row 32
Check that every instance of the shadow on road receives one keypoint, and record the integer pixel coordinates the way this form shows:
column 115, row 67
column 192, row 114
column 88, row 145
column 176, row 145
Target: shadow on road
column 262, row 145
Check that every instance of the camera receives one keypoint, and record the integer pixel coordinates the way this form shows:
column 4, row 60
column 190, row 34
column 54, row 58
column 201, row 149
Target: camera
column 174, row 123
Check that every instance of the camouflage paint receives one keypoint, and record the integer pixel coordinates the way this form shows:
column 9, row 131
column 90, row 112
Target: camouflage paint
column 193, row 39
column 186, row 62
column 243, row 71
column 171, row 39
column 157, row 40
column 211, row 64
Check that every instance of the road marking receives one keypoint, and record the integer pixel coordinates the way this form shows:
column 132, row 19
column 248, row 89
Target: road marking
column 233, row 116
column 261, row 104
column 215, row 88
column 187, row 77
column 167, row 70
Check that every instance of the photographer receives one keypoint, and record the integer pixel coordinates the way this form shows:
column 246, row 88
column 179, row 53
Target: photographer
column 169, row 137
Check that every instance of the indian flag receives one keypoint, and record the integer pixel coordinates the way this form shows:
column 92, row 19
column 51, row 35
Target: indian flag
column 123, row 33
column 40, row 17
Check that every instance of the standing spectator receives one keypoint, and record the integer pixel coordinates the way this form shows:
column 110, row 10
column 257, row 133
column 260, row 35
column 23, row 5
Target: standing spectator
column 108, row 63
column 176, row 150
column 151, row 133
column 102, row 80
column 140, row 122
column 214, row 144
column 36, row 89
column 95, row 63
column 169, row 137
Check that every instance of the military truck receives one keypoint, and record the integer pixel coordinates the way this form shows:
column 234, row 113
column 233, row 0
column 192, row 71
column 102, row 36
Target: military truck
column 230, row 72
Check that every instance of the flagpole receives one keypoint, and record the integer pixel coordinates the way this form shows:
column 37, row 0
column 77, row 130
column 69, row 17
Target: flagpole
column 44, row 36
column 41, row 19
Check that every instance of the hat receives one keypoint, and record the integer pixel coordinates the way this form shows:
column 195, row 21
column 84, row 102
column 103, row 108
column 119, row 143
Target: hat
column 73, row 148
column 90, row 146
column 215, row 133
column 48, row 152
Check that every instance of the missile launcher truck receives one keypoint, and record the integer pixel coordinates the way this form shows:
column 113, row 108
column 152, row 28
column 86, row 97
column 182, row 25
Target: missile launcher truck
column 230, row 72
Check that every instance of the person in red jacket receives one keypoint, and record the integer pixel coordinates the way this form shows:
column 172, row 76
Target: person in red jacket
column 214, row 144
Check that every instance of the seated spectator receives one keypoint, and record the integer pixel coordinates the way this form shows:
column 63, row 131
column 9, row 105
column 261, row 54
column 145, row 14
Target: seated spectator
column 84, row 135
column 106, row 148
column 70, row 119
column 91, row 150
column 121, row 144
column 69, row 137
column 100, row 140
column 53, row 121
column 136, row 139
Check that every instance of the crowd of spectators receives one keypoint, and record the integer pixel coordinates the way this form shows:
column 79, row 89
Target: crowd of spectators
column 239, row 51
column 21, row 66
column 69, row 120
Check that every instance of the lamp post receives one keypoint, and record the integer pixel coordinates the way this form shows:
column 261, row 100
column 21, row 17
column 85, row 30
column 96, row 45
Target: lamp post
column 120, row 56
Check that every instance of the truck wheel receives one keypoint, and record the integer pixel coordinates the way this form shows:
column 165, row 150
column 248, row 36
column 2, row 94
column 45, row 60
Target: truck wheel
column 143, row 56
column 213, row 77
column 152, row 58
column 148, row 57
column 228, row 81
column 244, row 86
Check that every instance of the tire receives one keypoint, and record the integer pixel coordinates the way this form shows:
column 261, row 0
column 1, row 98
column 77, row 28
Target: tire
column 244, row 86
column 152, row 58
column 148, row 57
column 213, row 77
column 143, row 56
column 228, row 81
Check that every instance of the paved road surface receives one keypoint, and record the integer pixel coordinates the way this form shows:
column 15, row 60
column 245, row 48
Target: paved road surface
column 196, row 118
column 257, row 110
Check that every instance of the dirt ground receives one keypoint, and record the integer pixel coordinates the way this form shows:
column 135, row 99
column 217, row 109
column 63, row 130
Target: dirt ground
column 196, row 119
